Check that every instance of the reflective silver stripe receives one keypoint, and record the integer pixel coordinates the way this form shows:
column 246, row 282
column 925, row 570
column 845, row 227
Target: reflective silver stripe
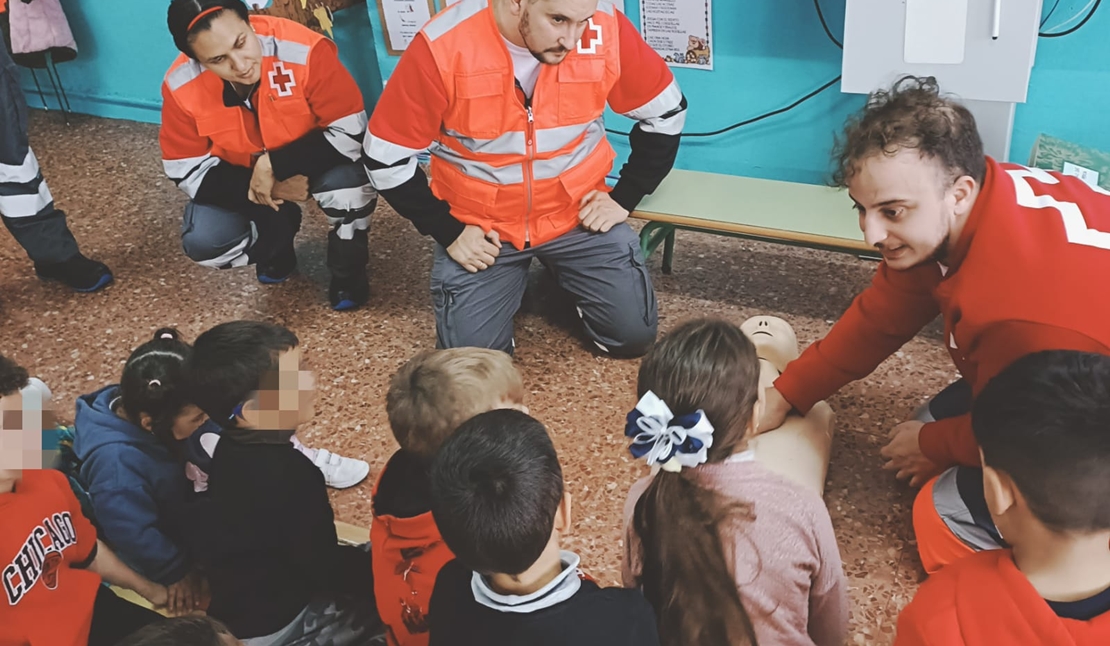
column 452, row 17
column 183, row 74
column 346, row 199
column 671, row 125
column 513, row 143
column 386, row 152
column 510, row 174
column 285, row 50
column 556, row 166
column 547, row 140
column 510, row 143
column 667, row 100
column 954, row 512
column 189, row 173
column 25, row 206
column 25, row 172
column 551, row 139
column 344, row 135
column 233, row 257
column 389, row 177
column 346, row 231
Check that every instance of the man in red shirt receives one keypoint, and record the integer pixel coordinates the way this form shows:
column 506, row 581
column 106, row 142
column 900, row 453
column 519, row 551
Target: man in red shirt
column 509, row 96
column 51, row 563
column 1014, row 258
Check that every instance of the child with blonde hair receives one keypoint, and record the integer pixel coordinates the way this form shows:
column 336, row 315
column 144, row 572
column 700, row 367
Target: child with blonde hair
column 429, row 397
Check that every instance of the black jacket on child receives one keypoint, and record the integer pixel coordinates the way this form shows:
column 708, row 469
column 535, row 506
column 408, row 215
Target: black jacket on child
column 570, row 611
column 264, row 533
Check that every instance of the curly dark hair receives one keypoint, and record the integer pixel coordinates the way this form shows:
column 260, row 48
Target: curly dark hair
column 13, row 377
column 911, row 114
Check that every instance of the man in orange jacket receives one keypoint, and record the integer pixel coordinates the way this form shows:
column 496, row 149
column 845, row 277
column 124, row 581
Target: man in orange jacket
column 257, row 112
column 509, row 95
column 1012, row 257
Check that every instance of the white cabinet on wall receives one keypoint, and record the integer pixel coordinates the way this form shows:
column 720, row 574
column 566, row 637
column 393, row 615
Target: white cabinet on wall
column 979, row 50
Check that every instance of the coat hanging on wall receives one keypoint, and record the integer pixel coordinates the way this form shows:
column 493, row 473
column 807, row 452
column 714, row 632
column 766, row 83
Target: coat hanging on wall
column 315, row 14
column 39, row 28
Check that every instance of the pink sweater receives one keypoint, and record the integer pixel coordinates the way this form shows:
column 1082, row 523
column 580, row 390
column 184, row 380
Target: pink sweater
column 787, row 565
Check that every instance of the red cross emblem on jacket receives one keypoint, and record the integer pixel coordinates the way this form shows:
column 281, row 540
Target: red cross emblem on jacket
column 282, row 79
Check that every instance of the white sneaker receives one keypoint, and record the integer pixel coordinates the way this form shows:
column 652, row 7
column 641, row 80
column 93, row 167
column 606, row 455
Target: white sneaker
column 340, row 472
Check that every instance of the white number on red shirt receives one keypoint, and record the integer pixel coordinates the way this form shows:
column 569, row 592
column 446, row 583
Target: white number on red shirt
column 1075, row 225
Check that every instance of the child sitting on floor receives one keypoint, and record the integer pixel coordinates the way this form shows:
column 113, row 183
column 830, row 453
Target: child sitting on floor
column 1043, row 428
column 125, row 439
column 265, row 534
column 498, row 499
column 729, row 543
column 51, row 563
column 428, row 398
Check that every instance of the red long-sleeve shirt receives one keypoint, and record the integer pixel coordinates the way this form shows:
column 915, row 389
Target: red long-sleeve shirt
column 1028, row 274
column 984, row 600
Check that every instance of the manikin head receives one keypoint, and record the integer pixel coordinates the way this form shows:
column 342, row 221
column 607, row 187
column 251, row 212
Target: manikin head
column 773, row 338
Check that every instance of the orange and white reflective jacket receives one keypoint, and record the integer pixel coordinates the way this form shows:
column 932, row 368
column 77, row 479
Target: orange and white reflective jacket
column 303, row 89
column 520, row 168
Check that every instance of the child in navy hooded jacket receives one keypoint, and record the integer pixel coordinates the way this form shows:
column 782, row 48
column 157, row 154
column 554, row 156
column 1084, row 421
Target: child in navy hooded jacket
column 132, row 441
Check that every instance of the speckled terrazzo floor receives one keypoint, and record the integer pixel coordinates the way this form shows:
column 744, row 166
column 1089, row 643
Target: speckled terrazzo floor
column 107, row 176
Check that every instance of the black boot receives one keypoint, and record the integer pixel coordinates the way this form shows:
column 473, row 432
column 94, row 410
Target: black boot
column 273, row 255
column 79, row 273
column 347, row 260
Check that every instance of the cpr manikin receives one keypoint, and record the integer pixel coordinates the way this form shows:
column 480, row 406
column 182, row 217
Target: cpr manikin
column 799, row 449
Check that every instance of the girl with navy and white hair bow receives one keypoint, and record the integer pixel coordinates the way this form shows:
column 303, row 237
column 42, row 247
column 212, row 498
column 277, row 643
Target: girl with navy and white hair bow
column 725, row 548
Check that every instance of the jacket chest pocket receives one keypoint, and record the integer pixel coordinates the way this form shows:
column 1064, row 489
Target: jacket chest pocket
column 479, row 108
column 284, row 120
column 582, row 89
column 225, row 130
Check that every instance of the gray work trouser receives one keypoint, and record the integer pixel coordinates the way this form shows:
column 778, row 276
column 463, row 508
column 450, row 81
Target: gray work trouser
column 26, row 205
column 605, row 272
column 217, row 237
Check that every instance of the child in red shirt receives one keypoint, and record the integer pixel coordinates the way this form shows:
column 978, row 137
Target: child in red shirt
column 51, row 563
column 1042, row 428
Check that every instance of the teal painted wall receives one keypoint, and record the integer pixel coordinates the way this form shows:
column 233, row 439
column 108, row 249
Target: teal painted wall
column 768, row 54
column 124, row 50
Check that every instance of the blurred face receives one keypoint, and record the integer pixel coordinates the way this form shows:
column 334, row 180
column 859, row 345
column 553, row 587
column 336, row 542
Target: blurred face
column 24, row 416
column 551, row 28
column 907, row 209
column 287, row 397
column 230, row 49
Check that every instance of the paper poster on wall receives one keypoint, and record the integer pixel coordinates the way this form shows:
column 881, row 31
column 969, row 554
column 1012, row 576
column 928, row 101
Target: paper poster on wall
column 402, row 20
column 679, row 31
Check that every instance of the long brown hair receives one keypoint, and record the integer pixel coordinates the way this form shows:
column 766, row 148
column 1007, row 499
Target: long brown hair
column 706, row 364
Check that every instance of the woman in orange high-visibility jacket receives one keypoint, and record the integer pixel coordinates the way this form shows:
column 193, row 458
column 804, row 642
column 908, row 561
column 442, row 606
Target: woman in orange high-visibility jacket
column 510, row 97
column 256, row 113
